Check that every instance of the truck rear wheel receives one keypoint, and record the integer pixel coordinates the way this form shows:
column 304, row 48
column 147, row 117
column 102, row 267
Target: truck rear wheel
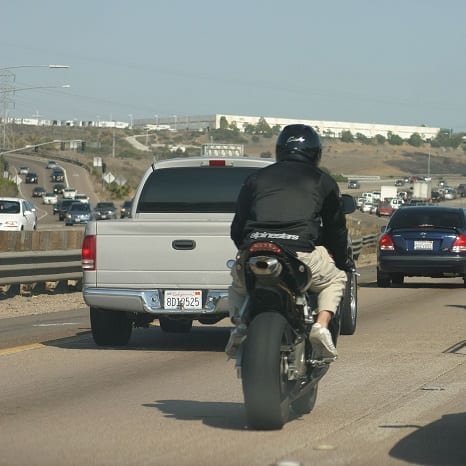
column 110, row 328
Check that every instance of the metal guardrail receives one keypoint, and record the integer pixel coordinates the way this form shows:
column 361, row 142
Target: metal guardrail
column 39, row 266
column 365, row 242
column 25, row 267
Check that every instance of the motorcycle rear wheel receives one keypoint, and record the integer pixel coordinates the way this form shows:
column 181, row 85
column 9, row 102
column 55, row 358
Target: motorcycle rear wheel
column 264, row 372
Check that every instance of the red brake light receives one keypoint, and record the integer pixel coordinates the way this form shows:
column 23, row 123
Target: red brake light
column 265, row 246
column 88, row 252
column 386, row 243
column 460, row 244
column 217, row 163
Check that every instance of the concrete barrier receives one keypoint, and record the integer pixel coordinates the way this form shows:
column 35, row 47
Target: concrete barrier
column 43, row 240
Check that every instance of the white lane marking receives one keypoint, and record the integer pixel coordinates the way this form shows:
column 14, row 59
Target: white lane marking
column 56, row 324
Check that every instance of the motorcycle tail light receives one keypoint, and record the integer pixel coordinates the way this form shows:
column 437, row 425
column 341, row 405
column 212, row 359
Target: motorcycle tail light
column 265, row 247
column 460, row 244
column 386, row 243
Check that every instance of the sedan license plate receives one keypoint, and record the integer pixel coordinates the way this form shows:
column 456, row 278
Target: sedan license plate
column 183, row 299
column 423, row 245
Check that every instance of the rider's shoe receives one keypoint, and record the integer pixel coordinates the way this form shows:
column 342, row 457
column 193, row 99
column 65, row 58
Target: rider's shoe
column 322, row 343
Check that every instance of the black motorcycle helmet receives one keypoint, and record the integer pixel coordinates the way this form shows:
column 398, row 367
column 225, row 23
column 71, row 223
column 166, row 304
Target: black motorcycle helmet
column 299, row 142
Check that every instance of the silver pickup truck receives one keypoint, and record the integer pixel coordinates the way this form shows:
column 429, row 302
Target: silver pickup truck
column 169, row 260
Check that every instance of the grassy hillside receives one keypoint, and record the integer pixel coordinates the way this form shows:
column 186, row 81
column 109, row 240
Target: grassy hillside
column 338, row 157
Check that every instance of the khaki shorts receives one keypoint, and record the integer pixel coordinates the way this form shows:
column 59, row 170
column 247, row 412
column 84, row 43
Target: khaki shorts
column 327, row 281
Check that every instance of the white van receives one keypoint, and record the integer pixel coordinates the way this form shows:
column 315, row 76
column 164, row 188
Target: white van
column 367, row 196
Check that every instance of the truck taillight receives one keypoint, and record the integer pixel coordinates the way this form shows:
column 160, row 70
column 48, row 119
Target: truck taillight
column 88, row 253
column 386, row 243
column 460, row 244
column 217, row 163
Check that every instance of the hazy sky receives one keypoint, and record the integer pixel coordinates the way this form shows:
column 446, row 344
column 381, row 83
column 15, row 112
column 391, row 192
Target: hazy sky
column 394, row 62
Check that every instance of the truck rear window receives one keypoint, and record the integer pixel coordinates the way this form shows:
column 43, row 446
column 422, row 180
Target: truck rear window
column 193, row 189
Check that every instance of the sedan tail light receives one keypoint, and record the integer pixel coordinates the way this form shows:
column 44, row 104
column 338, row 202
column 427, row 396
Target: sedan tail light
column 386, row 243
column 460, row 244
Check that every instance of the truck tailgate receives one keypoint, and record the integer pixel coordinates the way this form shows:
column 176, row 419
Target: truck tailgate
column 162, row 254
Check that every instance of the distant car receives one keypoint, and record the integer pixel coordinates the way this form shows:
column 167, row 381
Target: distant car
column 422, row 241
column 368, row 207
column 49, row 198
column 17, row 214
column 32, row 177
column 353, row 184
column 104, row 211
column 396, row 202
column 69, row 193
column 384, row 209
column 416, row 202
column 57, row 175
column 51, row 164
column 81, row 197
column 435, row 196
column 23, row 170
column 78, row 213
column 62, row 207
column 360, row 202
column 38, row 191
column 400, row 182
column 442, row 183
column 461, row 190
column 58, row 188
column 376, row 195
column 449, row 194
column 125, row 209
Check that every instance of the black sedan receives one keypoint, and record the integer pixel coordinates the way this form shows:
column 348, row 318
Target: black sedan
column 422, row 241
column 32, row 178
column 58, row 188
column 125, row 209
column 38, row 191
column 105, row 211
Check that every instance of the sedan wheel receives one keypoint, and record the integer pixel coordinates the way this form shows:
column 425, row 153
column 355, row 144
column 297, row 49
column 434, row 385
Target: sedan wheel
column 397, row 278
column 383, row 279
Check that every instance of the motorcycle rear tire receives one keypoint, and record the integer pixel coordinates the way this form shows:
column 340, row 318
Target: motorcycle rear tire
column 349, row 306
column 264, row 372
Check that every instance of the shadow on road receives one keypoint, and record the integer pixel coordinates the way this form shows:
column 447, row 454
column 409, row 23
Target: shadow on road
column 440, row 443
column 203, row 339
column 221, row 415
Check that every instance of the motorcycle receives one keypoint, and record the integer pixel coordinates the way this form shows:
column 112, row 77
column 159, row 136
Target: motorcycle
column 270, row 342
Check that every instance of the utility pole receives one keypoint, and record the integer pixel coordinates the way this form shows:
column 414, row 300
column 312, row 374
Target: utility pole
column 7, row 79
column 113, row 140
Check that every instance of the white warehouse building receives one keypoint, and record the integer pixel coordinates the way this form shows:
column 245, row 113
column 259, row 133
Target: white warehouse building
column 325, row 128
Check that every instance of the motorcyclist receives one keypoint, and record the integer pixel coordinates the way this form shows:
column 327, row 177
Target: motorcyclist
column 299, row 206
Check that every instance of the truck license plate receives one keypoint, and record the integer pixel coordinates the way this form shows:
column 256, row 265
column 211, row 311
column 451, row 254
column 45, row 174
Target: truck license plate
column 183, row 299
column 423, row 245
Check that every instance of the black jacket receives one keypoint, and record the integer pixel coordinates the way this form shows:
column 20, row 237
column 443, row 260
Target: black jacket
column 294, row 203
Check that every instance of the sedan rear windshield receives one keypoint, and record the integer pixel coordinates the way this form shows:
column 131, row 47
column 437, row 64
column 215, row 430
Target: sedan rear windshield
column 411, row 217
column 193, row 189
